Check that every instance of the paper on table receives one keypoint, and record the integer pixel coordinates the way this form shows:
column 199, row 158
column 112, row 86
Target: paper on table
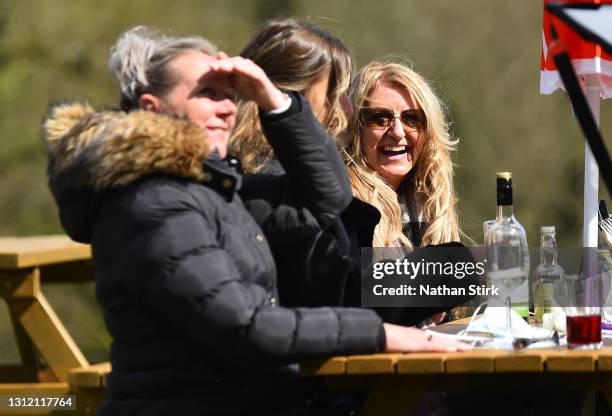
column 493, row 321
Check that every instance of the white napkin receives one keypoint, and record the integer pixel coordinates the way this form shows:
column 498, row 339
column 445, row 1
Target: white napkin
column 493, row 321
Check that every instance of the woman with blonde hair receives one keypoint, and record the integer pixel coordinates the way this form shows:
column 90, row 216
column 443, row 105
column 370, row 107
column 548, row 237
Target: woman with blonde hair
column 317, row 256
column 398, row 151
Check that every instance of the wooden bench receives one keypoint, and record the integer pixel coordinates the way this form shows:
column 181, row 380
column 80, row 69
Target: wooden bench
column 26, row 262
column 89, row 385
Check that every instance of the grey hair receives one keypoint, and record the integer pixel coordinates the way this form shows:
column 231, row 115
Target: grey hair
column 139, row 61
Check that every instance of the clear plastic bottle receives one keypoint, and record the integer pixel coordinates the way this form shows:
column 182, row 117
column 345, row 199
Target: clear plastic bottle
column 548, row 275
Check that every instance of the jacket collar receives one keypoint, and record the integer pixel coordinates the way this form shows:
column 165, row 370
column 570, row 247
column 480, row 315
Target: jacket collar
column 107, row 149
column 222, row 175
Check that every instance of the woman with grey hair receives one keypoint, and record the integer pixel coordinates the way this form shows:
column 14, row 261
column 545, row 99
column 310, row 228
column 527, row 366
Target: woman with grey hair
column 183, row 273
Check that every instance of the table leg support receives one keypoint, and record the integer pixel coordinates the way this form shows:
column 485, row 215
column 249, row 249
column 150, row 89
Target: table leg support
column 35, row 320
column 24, row 343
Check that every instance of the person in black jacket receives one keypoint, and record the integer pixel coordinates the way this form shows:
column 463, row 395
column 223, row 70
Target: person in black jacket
column 184, row 275
column 310, row 250
column 318, row 259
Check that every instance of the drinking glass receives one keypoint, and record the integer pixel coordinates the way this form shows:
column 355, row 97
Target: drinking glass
column 583, row 313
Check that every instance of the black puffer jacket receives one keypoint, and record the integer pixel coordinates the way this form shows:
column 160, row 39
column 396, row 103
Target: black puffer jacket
column 184, row 275
column 320, row 264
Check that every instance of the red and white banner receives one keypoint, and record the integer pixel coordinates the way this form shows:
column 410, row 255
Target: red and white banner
column 588, row 58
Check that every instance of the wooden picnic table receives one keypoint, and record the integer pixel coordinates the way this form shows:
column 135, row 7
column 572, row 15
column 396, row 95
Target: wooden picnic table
column 26, row 262
column 397, row 383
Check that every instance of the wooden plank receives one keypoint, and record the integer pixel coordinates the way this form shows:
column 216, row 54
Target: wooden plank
column 34, row 389
column 20, row 252
column 324, row 367
column 22, row 283
column 421, row 363
column 604, row 360
column 89, row 399
column 570, row 361
column 371, row 364
column 520, row 362
column 476, row 361
column 24, row 343
column 92, row 376
column 18, row 292
column 51, row 338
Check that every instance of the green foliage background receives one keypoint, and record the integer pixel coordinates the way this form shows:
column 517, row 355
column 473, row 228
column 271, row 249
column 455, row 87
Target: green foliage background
column 482, row 56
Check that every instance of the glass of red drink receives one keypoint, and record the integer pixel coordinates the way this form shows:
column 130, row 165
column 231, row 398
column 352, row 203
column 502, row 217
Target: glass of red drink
column 583, row 322
column 584, row 331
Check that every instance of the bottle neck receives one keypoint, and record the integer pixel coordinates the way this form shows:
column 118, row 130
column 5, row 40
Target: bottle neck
column 504, row 199
column 548, row 249
column 504, row 211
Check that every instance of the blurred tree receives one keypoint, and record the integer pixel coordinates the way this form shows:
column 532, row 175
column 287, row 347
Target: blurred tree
column 482, row 57
column 269, row 9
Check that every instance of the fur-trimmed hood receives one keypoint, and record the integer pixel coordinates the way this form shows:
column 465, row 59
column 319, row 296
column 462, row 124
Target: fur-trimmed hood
column 91, row 152
column 112, row 148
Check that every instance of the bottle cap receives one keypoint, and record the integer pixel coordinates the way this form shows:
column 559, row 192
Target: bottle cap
column 504, row 175
column 547, row 229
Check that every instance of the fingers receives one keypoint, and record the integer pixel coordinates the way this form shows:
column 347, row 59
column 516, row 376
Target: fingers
column 222, row 55
column 244, row 75
column 447, row 344
column 237, row 65
column 249, row 81
column 402, row 339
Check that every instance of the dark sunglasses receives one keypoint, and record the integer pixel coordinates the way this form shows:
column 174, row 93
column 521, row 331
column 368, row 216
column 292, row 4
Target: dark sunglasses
column 382, row 118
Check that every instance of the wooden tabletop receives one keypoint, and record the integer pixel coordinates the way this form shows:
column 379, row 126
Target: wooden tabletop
column 550, row 360
column 22, row 252
column 475, row 361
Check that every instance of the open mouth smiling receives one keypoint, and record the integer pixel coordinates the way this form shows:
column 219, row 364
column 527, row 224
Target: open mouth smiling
column 390, row 150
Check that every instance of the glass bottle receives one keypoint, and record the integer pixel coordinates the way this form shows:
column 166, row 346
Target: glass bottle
column 507, row 250
column 548, row 275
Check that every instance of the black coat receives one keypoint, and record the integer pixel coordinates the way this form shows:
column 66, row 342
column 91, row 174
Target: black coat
column 359, row 221
column 320, row 264
column 185, row 276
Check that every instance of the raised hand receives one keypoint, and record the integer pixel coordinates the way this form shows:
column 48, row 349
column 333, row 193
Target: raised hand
column 248, row 80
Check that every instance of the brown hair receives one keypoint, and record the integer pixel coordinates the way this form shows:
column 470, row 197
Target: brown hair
column 295, row 54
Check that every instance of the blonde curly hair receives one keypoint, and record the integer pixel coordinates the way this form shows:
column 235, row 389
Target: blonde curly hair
column 433, row 170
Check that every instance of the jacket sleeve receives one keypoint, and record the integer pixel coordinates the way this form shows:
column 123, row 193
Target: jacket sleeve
column 169, row 256
column 310, row 158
